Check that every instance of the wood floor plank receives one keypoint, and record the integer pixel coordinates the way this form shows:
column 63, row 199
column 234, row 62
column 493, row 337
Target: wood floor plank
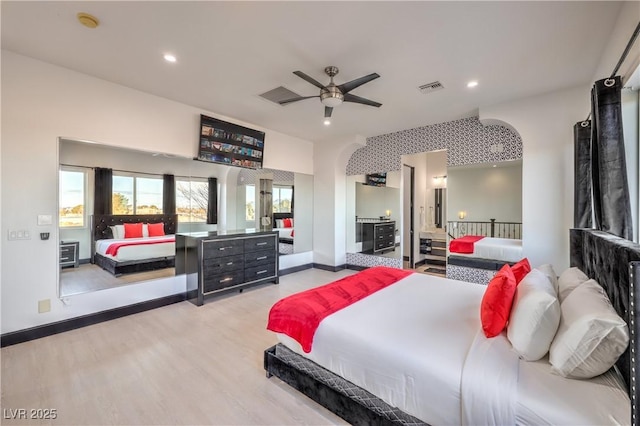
column 175, row 365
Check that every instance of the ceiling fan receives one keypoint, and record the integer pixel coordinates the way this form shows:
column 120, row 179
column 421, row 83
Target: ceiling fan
column 333, row 95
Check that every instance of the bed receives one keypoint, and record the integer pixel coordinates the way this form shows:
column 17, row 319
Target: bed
column 120, row 256
column 283, row 223
column 444, row 373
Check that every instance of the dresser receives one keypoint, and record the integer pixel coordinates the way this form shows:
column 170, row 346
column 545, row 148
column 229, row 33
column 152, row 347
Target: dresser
column 69, row 251
column 378, row 237
column 217, row 262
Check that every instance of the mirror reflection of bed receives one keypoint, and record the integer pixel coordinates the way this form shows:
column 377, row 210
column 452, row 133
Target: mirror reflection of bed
column 77, row 162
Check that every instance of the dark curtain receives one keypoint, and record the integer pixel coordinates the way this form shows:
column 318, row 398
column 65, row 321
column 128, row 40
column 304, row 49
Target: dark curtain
column 212, row 208
column 169, row 194
column 582, row 206
column 611, row 203
column 103, row 188
column 293, row 196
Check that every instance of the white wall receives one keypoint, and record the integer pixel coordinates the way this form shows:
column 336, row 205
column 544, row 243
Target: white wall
column 485, row 193
column 42, row 102
column 631, row 123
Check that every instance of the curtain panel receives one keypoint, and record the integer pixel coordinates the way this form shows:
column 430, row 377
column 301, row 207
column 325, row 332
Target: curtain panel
column 103, row 189
column 582, row 203
column 168, row 194
column 212, row 207
column 611, row 202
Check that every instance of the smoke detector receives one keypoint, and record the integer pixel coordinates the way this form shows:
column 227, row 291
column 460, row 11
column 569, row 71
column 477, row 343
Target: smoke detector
column 431, row 87
column 88, row 20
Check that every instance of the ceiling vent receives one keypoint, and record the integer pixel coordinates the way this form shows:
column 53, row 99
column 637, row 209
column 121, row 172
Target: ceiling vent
column 431, row 87
column 279, row 94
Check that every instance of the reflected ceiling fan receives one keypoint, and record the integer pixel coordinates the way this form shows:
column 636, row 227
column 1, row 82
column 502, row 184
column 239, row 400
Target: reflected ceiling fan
column 333, row 94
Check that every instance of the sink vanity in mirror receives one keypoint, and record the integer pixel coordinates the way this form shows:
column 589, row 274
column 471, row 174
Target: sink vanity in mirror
column 137, row 189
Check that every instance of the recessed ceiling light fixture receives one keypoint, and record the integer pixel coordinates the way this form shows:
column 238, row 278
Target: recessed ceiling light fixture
column 471, row 84
column 88, row 20
column 327, row 121
column 170, row 58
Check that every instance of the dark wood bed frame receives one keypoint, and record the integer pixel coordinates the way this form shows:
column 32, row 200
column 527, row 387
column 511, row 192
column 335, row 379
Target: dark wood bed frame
column 612, row 261
column 100, row 230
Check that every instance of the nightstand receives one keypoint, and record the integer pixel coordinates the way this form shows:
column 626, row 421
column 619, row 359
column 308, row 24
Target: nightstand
column 69, row 253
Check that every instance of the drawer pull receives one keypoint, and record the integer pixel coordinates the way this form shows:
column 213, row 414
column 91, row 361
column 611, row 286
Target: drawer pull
column 261, row 258
column 229, row 263
column 224, row 248
column 262, row 272
column 226, row 279
column 261, row 244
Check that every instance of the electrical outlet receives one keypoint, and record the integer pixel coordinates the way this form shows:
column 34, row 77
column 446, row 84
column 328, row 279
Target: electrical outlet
column 44, row 306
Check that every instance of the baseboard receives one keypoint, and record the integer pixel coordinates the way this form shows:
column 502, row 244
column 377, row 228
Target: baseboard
column 421, row 262
column 357, row 267
column 45, row 330
column 295, row 269
column 329, row 267
column 84, row 261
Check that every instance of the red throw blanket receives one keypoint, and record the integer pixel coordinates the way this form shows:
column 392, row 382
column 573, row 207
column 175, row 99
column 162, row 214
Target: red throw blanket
column 114, row 247
column 464, row 244
column 299, row 315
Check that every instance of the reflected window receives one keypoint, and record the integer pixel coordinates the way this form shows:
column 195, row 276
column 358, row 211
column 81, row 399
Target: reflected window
column 282, row 198
column 192, row 199
column 134, row 194
column 72, row 195
column 250, row 203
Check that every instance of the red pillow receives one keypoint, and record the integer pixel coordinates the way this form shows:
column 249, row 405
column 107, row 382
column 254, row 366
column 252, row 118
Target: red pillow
column 292, row 231
column 133, row 230
column 156, row 229
column 287, row 223
column 496, row 302
column 521, row 269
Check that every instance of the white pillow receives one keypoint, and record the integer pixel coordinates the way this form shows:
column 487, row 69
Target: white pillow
column 548, row 270
column 145, row 230
column 591, row 336
column 568, row 281
column 279, row 223
column 117, row 231
column 535, row 316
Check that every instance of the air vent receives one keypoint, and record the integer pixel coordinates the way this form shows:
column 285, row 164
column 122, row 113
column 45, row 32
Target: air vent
column 431, row 87
column 279, row 94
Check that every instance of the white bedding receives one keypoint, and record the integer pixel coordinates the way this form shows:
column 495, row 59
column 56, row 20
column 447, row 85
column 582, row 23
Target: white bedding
column 429, row 358
column 506, row 249
column 138, row 252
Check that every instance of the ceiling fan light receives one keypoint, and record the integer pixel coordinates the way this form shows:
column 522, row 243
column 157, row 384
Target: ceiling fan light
column 331, row 101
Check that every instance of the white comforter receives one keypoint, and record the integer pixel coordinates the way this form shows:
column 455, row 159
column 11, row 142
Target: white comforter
column 506, row 249
column 418, row 345
column 138, row 252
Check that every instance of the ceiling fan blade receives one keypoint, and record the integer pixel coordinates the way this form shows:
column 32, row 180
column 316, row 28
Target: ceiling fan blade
column 357, row 99
column 299, row 98
column 350, row 85
column 328, row 111
column 308, row 79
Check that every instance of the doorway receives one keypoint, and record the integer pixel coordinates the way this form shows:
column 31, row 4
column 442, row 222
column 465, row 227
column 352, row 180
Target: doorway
column 408, row 230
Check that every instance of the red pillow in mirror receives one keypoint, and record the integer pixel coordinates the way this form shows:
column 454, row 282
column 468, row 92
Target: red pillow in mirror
column 287, row 223
column 133, row 230
column 156, row 229
column 495, row 307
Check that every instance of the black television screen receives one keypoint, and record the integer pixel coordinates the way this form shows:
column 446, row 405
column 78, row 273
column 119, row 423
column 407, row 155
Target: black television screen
column 376, row 179
column 227, row 143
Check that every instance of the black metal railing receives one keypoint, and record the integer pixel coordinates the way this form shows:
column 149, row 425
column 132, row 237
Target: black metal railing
column 460, row 228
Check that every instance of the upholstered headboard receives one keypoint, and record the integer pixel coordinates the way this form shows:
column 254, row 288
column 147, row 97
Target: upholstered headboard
column 615, row 263
column 282, row 216
column 100, row 223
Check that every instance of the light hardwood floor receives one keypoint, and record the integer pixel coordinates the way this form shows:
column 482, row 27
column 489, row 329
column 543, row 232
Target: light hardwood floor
column 175, row 365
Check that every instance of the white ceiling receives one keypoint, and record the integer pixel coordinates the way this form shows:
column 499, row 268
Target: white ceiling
column 230, row 52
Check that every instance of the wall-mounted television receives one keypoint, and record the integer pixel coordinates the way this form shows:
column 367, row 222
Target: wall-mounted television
column 227, row 143
column 376, row 179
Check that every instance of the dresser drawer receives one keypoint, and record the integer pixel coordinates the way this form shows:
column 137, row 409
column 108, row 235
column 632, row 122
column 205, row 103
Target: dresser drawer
column 219, row 265
column 385, row 229
column 67, row 250
column 260, row 272
column 221, row 281
column 257, row 258
column 260, row 243
column 217, row 248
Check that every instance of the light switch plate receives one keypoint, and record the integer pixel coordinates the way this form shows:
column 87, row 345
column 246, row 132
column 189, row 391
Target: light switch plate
column 45, row 219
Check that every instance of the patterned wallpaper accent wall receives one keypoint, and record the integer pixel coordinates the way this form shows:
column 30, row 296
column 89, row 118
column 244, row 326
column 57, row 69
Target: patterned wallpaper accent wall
column 467, row 142
column 249, row 176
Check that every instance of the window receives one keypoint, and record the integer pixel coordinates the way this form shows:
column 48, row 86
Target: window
column 192, row 199
column 250, row 210
column 72, row 195
column 137, row 194
column 282, row 197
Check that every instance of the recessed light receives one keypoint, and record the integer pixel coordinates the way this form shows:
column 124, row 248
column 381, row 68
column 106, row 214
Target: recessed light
column 327, row 122
column 88, row 20
column 169, row 58
column 494, row 165
column 472, row 84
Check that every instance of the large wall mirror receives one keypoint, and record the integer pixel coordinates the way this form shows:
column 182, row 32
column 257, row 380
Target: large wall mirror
column 137, row 189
